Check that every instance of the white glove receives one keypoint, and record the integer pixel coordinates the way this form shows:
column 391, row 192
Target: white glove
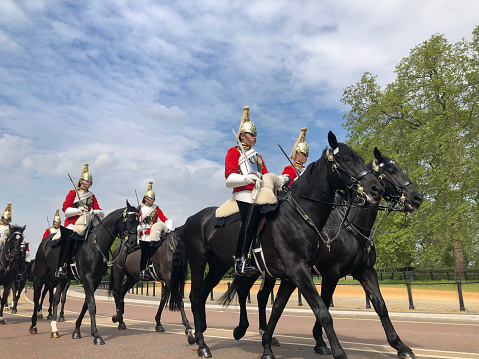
column 72, row 211
column 237, row 180
column 285, row 179
column 99, row 213
column 169, row 225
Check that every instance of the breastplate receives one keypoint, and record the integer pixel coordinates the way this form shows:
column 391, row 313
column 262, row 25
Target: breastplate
column 151, row 216
column 254, row 160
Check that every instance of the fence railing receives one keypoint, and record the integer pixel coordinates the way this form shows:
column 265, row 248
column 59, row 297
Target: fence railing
column 151, row 288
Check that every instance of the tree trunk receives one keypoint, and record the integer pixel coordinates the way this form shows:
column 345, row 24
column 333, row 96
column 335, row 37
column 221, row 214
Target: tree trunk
column 459, row 261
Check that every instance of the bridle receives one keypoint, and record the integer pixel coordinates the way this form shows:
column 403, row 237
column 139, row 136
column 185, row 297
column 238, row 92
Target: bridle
column 9, row 257
column 352, row 183
column 393, row 193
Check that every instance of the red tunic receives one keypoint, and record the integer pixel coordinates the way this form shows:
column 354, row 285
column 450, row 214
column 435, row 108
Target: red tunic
column 69, row 203
column 231, row 166
column 291, row 172
column 159, row 216
column 47, row 232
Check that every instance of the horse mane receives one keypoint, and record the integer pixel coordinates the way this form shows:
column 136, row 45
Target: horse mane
column 303, row 184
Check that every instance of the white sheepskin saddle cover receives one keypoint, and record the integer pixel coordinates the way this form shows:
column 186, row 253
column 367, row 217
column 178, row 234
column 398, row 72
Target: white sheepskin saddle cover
column 157, row 230
column 270, row 184
column 80, row 225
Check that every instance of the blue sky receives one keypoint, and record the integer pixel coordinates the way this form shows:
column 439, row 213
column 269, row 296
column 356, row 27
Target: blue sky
column 150, row 90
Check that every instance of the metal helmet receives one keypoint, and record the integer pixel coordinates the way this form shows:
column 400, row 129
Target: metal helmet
column 149, row 192
column 300, row 146
column 246, row 125
column 7, row 214
column 85, row 175
column 57, row 218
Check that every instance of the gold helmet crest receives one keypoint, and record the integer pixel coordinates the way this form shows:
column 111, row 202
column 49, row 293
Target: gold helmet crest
column 57, row 218
column 246, row 125
column 85, row 175
column 300, row 146
column 149, row 192
column 7, row 214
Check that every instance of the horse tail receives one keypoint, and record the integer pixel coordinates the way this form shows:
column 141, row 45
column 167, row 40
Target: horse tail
column 179, row 271
column 229, row 295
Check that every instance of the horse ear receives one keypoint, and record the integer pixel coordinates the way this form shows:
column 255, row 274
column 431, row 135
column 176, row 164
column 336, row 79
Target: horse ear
column 25, row 226
column 377, row 155
column 127, row 204
column 332, row 140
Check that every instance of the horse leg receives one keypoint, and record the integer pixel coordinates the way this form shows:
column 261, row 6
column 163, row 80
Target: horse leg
column 284, row 292
column 304, row 281
column 42, row 297
column 262, row 297
column 369, row 280
column 186, row 323
column 64, row 299
column 50, row 304
column 243, row 285
column 6, row 290
column 328, row 285
column 89, row 288
column 164, row 295
column 37, row 290
column 56, row 299
column 119, row 292
column 200, row 288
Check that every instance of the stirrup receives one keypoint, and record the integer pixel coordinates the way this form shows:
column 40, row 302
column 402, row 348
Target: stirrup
column 61, row 272
column 243, row 267
column 144, row 275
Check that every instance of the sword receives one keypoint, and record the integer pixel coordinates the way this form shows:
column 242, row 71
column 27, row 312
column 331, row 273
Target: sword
column 136, row 194
column 248, row 166
column 48, row 222
column 76, row 189
column 291, row 163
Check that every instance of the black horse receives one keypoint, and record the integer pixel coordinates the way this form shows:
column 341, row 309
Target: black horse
column 289, row 242
column 9, row 259
column 129, row 265
column 49, row 287
column 352, row 252
column 91, row 262
column 23, row 275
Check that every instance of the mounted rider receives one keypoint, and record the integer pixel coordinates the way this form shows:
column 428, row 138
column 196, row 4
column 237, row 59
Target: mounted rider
column 5, row 224
column 299, row 154
column 55, row 226
column 148, row 215
column 78, row 204
column 244, row 170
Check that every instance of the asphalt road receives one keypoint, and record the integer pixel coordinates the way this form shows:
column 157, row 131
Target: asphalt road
column 430, row 335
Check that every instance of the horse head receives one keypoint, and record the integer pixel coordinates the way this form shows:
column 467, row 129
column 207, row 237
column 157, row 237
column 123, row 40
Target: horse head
column 349, row 173
column 398, row 188
column 14, row 241
column 130, row 223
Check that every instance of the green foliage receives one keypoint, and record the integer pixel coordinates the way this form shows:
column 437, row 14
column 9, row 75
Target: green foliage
column 427, row 120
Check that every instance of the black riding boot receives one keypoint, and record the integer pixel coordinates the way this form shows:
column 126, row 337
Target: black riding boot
column 66, row 248
column 248, row 230
column 145, row 255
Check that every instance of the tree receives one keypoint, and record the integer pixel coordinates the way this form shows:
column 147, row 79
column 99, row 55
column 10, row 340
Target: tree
column 427, row 120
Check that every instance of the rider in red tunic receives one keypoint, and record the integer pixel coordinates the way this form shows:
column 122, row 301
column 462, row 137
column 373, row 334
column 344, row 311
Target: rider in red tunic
column 299, row 155
column 77, row 203
column 149, row 214
column 242, row 172
column 56, row 225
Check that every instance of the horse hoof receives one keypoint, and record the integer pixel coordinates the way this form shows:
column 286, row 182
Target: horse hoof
column 7, row 308
column 33, row 330
column 191, row 337
column 275, row 342
column 76, row 335
column 14, row 311
column 204, row 353
column 2, row 321
column 114, row 318
column 98, row 341
column 407, row 355
column 40, row 316
column 239, row 332
column 322, row 350
column 55, row 334
column 268, row 356
column 121, row 326
column 159, row 328
column 61, row 319
column 49, row 317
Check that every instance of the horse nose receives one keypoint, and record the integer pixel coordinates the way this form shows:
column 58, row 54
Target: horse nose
column 376, row 192
column 417, row 200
